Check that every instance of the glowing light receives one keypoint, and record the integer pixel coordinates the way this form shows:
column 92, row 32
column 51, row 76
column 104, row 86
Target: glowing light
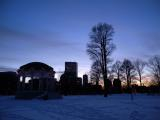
column 21, row 78
column 27, row 79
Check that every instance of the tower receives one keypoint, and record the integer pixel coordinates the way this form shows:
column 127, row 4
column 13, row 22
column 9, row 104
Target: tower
column 71, row 68
column 85, row 80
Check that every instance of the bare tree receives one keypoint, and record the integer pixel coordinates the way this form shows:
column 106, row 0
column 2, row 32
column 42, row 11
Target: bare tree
column 128, row 71
column 110, row 75
column 116, row 68
column 154, row 65
column 100, row 48
column 95, row 72
column 139, row 67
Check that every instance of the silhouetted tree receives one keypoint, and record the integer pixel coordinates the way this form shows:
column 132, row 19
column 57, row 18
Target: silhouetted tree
column 116, row 69
column 95, row 72
column 154, row 65
column 139, row 67
column 128, row 71
column 100, row 48
column 110, row 74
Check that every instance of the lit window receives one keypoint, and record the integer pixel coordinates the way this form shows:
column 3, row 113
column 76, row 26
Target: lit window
column 21, row 78
column 27, row 79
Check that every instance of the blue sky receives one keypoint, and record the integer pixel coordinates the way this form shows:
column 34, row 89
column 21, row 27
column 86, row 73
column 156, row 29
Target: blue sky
column 55, row 31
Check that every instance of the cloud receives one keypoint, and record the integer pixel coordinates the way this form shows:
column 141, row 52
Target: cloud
column 18, row 47
column 45, row 39
column 8, row 58
column 151, row 42
column 5, row 31
column 6, row 68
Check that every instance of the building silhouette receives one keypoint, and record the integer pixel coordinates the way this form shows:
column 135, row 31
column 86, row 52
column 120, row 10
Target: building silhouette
column 71, row 68
column 70, row 83
column 85, row 80
column 79, row 81
column 36, row 79
column 8, row 83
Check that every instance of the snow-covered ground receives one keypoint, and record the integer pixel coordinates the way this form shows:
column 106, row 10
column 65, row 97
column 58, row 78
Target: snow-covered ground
column 115, row 107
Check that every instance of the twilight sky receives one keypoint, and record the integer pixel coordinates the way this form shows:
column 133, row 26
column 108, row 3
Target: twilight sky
column 55, row 31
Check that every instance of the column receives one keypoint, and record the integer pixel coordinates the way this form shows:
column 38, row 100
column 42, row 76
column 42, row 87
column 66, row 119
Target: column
column 40, row 81
column 40, row 84
column 48, row 85
column 19, row 84
column 31, row 82
column 23, row 83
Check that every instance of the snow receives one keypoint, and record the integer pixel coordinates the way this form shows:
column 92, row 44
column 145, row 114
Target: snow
column 115, row 107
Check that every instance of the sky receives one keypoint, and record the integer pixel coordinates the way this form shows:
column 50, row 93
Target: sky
column 55, row 31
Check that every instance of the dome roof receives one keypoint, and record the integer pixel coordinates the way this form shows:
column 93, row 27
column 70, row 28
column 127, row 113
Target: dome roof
column 36, row 66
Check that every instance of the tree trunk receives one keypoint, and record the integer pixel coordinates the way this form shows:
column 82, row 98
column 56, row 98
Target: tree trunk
column 97, row 83
column 140, row 79
column 106, row 82
column 105, row 87
column 128, row 81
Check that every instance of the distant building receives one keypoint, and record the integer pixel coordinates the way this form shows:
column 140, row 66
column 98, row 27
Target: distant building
column 71, row 68
column 8, row 83
column 85, row 80
column 69, row 81
column 79, row 81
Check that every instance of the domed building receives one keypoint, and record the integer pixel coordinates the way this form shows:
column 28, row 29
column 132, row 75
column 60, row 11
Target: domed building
column 36, row 79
